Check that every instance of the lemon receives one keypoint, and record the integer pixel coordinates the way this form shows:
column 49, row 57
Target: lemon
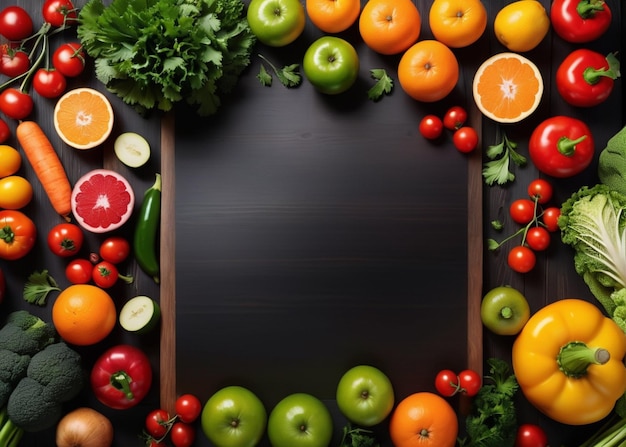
column 521, row 26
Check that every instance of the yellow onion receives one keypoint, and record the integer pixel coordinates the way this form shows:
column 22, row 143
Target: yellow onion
column 84, row 427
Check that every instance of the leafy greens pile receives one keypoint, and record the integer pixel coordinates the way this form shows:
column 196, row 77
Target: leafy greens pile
column 155, row 53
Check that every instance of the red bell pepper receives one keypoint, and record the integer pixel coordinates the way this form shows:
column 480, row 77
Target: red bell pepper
column 121, row 377
column 580, row 21
column 561, row 146
column 585, row 78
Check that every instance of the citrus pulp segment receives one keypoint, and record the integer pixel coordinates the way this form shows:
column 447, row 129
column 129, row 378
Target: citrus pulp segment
column 83, row 118
column 507, row 87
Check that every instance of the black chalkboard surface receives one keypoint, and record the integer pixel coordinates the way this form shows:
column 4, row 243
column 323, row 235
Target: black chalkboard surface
column 315, row 233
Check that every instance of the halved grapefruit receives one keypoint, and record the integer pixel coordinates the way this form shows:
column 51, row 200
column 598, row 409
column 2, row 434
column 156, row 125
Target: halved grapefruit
column 102, row 200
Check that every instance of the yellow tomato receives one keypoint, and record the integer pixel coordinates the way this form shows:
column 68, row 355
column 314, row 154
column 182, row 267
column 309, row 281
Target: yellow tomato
column 521, row 26
column 457, row 23
column 10, row 160
column 15, row 192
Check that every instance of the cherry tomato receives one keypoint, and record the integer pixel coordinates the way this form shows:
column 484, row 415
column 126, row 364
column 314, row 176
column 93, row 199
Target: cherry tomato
column 465, row 139
column 65, row 239
column 454, row 118
column 188, row 408
column 531, row 435
column 15, row 23
column 470, row 382
column 114, row 249
column 521, row 259
column 157, row 423
column 59, row 12
column 182, row 434
column 550, row 218
column 540, row 190
column 15, row 104
column 5, row 132
column 13, row 62
column 431, row 127
column 522, row 211
column 447, row 382
column 49, row 83
column 78, row 271
column 69, row 59
column 538, row 238
column 105, row 274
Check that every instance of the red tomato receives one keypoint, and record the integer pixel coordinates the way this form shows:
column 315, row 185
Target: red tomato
column 585, row 78
column 454, row 118
column 465, row 139
column 550, row 218
column 561, row 146
column 59, row 12
column 114, row 249
column 540, row 190
column 17, row 234
column 538, row 238
column 188, row 408
column 470, row 382
column 69, row 59
column 65, row 239
column 13, row 62
column 104, row 274
column 182, row 435
column 5, row 132
column 49, row 83
column 521, row 259
column 157, row 423
column 78, row 271
column 15, row 104
column 531, row 435
column 447, row 382
column 522, row 211
column 15, row 23
column 579, row 21
column 431, row 127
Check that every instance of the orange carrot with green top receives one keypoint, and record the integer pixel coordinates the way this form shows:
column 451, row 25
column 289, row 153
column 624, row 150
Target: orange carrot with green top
column 47, row 166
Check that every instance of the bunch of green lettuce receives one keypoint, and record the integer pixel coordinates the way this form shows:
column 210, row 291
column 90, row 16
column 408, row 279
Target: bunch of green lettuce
column 155, row 53
column 612, row 162
column 593, row 222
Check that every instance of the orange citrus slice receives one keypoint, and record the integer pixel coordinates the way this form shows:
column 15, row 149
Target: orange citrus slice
column 83, row 118
column 507, row 87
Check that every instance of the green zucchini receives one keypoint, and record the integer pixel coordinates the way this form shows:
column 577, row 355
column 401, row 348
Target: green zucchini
column 140, row 314
column 145, row 241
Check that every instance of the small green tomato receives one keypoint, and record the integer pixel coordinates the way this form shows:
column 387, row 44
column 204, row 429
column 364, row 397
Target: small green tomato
column 504, row 310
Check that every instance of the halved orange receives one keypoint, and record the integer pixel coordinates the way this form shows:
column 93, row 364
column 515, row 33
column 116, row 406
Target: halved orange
column 507, row 87
column 83, row 118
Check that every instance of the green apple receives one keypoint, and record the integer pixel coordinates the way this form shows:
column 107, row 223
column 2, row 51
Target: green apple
column 331, row 64
column 234, row 417
column 276, row 23
column 365, row 395
column 300, row 420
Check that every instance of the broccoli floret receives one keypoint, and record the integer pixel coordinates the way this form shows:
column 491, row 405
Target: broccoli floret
column 12, row 368
column 58, row 368
column 29, row 409
column 5, row 391
column 26, row 334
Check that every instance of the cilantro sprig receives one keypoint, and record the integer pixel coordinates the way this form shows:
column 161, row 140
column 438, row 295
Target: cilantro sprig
column 499, row 169
column 288, row 75
column 38, row 286
column 383, row 85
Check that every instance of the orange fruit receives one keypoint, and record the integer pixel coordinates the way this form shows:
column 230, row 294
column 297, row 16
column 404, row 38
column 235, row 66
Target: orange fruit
column 423, row 419
column 428, row 71
column 333, row 16
column 83, row 314
column 457, row 23
column 390, row 26
column 507, row 87
column 10, row 160
column 83, row 118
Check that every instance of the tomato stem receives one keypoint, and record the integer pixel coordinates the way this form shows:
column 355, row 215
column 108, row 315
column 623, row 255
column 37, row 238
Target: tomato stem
column 567, row 146
column 121, row 381
column 575, row 357
column 586, row 9
column 593, row 75
column 506, row 312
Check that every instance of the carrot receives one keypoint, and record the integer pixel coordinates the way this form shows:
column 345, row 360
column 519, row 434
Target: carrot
column 47, row 166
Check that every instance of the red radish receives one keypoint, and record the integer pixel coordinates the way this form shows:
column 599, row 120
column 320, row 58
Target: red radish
column 102, row 200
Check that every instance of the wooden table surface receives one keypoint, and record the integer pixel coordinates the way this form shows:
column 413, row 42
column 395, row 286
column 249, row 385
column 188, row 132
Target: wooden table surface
column 310, row 120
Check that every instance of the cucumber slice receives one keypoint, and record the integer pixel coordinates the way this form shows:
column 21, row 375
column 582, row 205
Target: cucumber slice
column 132, row 149
column 140, row 314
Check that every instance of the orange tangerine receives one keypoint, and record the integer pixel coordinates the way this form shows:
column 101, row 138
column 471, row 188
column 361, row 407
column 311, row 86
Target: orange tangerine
column 333, row 16
column 84, row 314
column 10, row 160
column 507, row 87
column 389, row 26
column 83, row 118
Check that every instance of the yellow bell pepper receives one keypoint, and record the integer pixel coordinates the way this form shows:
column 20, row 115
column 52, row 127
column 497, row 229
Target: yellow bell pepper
column 569, row 362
